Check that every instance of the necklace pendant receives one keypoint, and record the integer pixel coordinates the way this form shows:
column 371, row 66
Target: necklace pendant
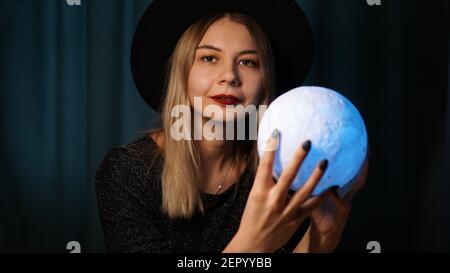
column 218, row 190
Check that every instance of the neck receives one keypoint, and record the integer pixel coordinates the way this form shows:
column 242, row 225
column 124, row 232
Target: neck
column 215, row 155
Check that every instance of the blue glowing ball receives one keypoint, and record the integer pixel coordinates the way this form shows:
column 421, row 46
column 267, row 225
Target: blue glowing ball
column 330, row 121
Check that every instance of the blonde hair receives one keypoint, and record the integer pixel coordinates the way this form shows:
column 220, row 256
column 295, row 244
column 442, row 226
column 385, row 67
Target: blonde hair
column 181, row 171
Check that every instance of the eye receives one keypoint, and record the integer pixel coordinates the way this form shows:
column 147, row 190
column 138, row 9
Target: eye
column 209, row 59
column 249, row 63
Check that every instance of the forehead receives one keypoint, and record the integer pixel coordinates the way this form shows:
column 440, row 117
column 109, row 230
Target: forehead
column 227, row 34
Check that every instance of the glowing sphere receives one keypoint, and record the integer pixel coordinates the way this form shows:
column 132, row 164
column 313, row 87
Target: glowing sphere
column 332, row 124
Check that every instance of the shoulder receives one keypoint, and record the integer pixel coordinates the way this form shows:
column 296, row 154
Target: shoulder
column 136, row 164
column 141, row 152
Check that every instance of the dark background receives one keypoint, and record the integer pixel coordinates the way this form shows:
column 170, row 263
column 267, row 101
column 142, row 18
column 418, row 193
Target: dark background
column 67, row 97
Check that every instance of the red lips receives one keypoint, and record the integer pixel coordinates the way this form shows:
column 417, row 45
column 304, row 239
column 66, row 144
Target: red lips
column 226, row 99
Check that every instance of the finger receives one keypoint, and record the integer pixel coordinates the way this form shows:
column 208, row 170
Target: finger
column 313, row 203
column 344, row 191
column 288, row 174
column 264, row 172
column 304, row 192
column 341, row 203
column 359, row 181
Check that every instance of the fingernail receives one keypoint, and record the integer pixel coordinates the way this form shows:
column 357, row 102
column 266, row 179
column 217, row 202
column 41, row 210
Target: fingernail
column 323, row 164
column 275, row 134
column 307, row 145
column 334, row 188
column 336, row 193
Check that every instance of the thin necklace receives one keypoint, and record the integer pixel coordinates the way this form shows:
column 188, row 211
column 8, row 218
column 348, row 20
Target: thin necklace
column 223, row 181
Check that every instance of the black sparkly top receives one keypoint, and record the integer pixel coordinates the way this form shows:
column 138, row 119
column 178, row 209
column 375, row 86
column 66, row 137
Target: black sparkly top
column 128, row 185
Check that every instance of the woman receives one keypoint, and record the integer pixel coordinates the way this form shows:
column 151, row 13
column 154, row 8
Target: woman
column 166, row 194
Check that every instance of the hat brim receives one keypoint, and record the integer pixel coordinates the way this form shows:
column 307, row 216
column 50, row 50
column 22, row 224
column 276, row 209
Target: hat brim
column 164, row 21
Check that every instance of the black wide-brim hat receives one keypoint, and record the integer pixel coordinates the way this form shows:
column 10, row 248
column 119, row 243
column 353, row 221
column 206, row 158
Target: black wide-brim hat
column 164, row 21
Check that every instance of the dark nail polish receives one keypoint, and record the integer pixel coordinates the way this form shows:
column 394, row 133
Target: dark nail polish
column 336, row 193
column 275, row 134
column 323, row 164
column 307, row 145
column 334, row 188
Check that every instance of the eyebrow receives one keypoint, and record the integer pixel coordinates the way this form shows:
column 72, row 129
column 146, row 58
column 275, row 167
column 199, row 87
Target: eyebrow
column 250, row 51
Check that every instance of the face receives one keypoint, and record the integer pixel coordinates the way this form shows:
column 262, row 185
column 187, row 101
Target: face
column 226, row 70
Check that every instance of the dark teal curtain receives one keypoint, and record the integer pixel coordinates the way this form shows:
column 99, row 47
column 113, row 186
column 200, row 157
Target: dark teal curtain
column 67, row 97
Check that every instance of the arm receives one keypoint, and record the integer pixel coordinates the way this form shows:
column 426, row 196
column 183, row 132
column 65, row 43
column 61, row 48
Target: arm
column 121, row 201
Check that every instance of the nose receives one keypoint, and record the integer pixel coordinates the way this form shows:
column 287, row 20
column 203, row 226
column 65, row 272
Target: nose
column 229, row 75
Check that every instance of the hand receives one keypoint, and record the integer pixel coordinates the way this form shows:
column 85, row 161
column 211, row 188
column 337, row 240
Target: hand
column 270, row 217
column 329, row 219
